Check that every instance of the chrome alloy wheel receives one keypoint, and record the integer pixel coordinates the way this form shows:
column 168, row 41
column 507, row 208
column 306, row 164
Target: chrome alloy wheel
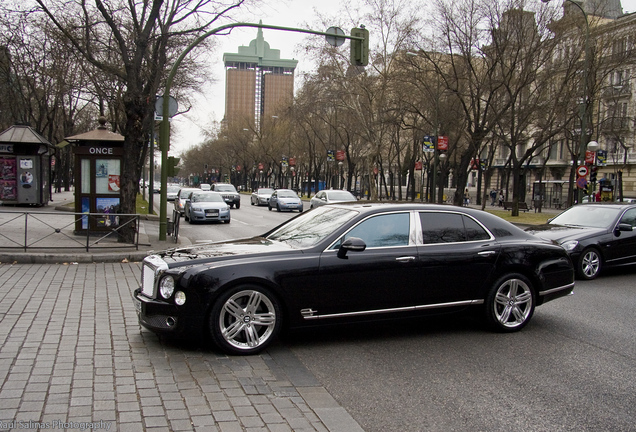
column 247, row 320
column 590, row 264
column 513, row 304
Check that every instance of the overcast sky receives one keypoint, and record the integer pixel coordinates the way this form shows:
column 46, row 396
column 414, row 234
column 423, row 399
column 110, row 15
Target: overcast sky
column 210, row 106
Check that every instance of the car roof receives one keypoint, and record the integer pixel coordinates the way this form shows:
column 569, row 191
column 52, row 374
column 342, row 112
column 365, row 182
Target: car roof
column 492, row 222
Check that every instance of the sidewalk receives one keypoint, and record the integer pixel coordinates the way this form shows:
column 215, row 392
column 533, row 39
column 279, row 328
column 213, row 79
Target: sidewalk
column 49, row 250
column 73, row 357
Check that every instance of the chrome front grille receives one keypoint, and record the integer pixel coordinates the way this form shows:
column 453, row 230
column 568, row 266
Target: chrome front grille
column 153, row 265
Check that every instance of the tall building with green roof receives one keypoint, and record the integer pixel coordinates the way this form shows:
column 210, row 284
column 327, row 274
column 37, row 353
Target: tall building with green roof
column 258, row 83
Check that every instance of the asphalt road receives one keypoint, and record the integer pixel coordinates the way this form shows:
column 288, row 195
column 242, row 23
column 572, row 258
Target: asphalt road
column 573, row 368
column 246, row 221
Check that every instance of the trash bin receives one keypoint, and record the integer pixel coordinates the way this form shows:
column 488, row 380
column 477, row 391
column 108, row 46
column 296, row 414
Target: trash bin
column 170, row 227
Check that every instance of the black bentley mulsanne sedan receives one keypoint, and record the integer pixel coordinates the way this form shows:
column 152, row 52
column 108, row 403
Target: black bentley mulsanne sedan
column 353, row 261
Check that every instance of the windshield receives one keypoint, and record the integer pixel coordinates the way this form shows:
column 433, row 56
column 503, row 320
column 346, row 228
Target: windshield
column 265, row 191
column 287, row 194
column 594, row 216
column 312, row 227
column 224, row 188
column 173, row 189
column 212, row 197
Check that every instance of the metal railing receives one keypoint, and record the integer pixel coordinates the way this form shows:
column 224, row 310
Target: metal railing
column 57, row 230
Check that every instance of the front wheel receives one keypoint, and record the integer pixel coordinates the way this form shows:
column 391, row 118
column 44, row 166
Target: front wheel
column 589, row 265
column 510, row 303
column 238, row 205
column 245, row 320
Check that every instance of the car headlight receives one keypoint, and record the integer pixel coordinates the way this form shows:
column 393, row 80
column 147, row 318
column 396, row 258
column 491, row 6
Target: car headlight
column 166, row 287
column 180, row 298
column 570, row 245
column 196, row 209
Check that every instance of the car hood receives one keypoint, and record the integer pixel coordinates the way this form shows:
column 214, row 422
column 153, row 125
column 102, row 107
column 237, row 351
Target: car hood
column 561, row 233
column 209, row 205
column 205, row 252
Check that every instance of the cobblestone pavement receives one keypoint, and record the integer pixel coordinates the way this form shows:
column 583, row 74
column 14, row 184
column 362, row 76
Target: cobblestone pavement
column 73, row 357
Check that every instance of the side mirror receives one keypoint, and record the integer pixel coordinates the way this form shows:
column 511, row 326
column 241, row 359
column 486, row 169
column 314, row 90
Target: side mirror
column 625, row 227
column 353, row 244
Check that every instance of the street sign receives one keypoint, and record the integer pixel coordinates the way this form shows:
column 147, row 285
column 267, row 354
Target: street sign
column 581, row 171
column 335, row 40
column 581, row 182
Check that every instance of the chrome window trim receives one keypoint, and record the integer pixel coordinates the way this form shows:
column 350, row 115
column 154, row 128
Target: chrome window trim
column 420, row 239
column 412, row 237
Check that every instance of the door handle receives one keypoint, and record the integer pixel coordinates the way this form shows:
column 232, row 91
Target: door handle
column 405, row 259
column 486, row 253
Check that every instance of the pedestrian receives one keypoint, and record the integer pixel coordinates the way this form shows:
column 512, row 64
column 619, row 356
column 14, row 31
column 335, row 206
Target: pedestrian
column 493, row 197
column 501, row 198
column 466, row 197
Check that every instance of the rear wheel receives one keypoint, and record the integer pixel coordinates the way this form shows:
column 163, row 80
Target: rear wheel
column 510, row 303
column 245, row 320
column 589, row 265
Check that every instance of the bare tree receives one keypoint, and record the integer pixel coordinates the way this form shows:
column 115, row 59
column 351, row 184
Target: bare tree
column 133, row 43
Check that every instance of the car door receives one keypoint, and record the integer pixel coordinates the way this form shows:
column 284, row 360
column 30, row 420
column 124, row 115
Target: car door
column 384, row 276
column 622, row 248
column 457, row 255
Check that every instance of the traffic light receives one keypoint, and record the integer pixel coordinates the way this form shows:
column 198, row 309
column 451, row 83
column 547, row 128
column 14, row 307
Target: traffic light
column 172, row 166
column 593, row 172
column 360, row 48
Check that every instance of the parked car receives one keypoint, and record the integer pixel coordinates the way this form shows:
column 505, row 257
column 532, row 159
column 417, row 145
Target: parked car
column 285, row 199
column 172, row 191
column 351, row 262
column 230, row 195
column 596, row 235
column 331, row 196
column 205, row 187
column 182, row 195
column 206, row 206
column 261, row 196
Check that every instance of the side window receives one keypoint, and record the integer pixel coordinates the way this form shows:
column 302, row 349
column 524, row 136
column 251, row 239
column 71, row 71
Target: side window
column 442, row 227
column 474, row 231
column 450, row 228
column 629, row 217
column 383, row 230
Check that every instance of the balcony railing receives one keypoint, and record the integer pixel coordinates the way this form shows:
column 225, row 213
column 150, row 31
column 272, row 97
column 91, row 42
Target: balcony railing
column 56, row 230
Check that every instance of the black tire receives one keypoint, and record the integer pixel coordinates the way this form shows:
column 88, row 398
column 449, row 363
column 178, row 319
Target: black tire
column 186, row 218
column 245, row 320
column 277, row 207
column 238, row 205
column 589, row 265
column 510, row 303
column 269, row 207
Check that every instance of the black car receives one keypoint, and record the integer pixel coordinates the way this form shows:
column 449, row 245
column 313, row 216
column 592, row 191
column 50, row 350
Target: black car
column 596, row 235
column 353, row 261
column 230, row 195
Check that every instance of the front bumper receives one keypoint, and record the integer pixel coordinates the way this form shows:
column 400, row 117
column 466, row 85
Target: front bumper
column 290, row 206
column 202, row 216
column 165, row 318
